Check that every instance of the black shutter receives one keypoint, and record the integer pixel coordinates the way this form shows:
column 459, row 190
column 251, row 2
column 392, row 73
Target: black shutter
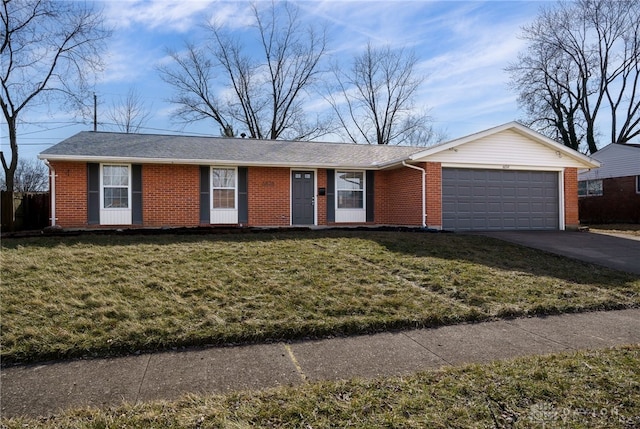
column 93, row 194
column 331, row 195
column 136, row 194
column 370, row 195
column 243, row 197
column 204, row 194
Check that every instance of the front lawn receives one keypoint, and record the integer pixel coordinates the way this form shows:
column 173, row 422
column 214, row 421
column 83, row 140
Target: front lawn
column 97, row 295
column 594, row 389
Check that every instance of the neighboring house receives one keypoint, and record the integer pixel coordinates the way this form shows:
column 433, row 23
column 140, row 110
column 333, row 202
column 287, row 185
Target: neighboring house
column 507, row 177
column 611, row 193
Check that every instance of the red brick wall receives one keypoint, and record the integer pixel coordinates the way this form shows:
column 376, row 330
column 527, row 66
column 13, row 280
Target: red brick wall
column 71, row 194
column 434, row 194
column 170, row 195
column 571, row 220
column 397, row 197
column 268, row 193
column 321, row 200
column 619, row 203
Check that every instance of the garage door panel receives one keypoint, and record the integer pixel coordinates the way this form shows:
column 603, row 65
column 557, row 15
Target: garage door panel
column 537, row 192
column 479, row 192
column 494, row 207
column 477, row 175
column 509, row 191
column 499, row 199
column 464, row 190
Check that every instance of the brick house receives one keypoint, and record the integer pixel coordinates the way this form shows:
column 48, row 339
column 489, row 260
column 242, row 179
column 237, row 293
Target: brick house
column 611, row 193
column 507, row 177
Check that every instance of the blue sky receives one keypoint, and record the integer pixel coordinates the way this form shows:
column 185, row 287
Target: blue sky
column 463, row 48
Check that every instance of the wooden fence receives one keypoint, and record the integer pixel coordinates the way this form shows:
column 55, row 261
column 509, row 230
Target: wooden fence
column 22, row 211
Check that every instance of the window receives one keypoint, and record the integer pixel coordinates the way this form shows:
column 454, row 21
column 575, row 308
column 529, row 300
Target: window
column 224, row 188
column 589, row 188
column 637, row 184
column 115, row 183
column 350, row 189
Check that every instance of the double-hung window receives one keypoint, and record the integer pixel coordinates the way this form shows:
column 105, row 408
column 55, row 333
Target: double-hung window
column 115, row 182
column 115, row 194
column 350, row 196
column 350, row 189
column 224, row 188
column 224, row 195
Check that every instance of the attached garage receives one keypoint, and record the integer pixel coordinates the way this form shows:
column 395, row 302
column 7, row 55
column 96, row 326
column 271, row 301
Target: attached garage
column 504, row 178
column 490, row 199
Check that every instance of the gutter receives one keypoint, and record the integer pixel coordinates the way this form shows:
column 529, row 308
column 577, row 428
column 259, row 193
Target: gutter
column 424, row 198
column 52, row 175
column 218, row 162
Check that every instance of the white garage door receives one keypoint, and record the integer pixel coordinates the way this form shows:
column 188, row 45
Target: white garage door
column 486, row 200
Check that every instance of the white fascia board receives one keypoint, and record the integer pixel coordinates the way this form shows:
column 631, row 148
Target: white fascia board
column 518, row 167
column 515, row 126
column 395, row 163
column 135, row 160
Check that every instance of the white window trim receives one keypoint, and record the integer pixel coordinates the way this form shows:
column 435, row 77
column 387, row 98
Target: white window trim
column 115, row 215
column 223, row 215
column 348, row 215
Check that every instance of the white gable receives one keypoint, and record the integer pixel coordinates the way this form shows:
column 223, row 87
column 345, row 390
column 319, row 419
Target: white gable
column 617, row 160
column 507, row 148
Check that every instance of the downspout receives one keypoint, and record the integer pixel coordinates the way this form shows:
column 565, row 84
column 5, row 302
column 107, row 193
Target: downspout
column 424, row 198
column 52, row 175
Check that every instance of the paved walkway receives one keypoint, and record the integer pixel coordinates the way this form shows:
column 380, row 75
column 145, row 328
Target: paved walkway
column 43, row 389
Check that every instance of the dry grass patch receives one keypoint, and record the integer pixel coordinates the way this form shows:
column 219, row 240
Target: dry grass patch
column 597, row 389
column 100, row 295
column 627, row 228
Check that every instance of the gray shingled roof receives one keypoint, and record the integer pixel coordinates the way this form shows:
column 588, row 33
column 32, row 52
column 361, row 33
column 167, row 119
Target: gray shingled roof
column 106, row 146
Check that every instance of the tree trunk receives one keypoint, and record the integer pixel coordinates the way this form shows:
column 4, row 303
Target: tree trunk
column 10, row 169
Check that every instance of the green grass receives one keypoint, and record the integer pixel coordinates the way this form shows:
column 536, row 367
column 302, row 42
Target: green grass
column 103, row 295
column 596, row 389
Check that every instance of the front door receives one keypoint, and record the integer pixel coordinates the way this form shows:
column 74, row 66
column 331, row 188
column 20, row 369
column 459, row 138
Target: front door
column 303, row 198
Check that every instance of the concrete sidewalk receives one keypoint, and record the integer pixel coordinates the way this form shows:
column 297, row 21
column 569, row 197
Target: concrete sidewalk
column 43, row 389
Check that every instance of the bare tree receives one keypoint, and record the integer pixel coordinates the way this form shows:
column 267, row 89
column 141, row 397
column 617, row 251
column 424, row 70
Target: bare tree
column 582, row 61
column 49, row 49
column 129, row 114
column 268, row 90
column 31, row 176
column 374, row 99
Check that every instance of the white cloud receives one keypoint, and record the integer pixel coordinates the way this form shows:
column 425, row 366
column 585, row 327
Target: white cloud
column 162, row 15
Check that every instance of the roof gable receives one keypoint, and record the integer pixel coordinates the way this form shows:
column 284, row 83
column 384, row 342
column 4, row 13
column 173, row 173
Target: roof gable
column 508, row 145
column 617, row 160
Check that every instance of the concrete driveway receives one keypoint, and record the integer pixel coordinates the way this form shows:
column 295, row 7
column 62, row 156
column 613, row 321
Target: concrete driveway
column 618, row 252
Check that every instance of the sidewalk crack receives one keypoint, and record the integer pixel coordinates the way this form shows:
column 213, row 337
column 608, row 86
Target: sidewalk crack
column 427, row 348
column 295, row 362
column 144, row 375
column 508, row 322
